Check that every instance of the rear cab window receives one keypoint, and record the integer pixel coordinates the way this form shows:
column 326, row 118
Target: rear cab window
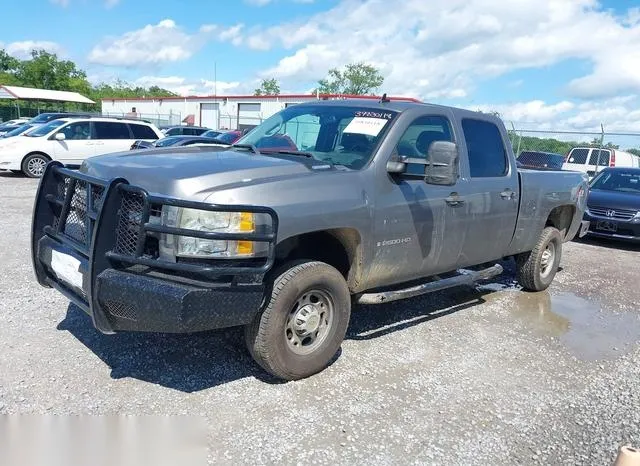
column 485, row 147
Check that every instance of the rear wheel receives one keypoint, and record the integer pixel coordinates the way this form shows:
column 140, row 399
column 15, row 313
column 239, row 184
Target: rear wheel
column 537, row 269
column 33, row 165
column 304, row 322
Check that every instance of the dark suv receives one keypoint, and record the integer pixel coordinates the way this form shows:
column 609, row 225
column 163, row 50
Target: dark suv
column 183, row 130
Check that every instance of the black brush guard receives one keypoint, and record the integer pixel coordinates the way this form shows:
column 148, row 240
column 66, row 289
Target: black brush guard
column 92, row 220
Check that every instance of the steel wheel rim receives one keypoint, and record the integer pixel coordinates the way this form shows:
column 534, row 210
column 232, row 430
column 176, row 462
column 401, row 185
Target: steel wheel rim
column 309, row 322
column 36, row 166
column 548, row 259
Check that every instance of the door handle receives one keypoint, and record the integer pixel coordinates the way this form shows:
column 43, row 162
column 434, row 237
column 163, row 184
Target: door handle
column 507, row 194
column 454, row 200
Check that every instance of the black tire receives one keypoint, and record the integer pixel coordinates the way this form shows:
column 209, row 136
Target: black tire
column 532, row 272
column 33, row 165
column 270, row 338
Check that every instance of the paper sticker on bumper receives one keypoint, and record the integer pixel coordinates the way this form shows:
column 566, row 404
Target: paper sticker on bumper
column 67, row 268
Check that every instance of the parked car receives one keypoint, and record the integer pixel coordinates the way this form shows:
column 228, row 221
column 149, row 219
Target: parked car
column 212, row 133
column 540, row 160
column 282, row 241
column 15, row 121
column 49, row 116
column 183, row 130
column 613, row 204
column 19, row 130
column 229, row 137
column 591, row 160
column 71, row 141
column 8, row 128
column 172, row 141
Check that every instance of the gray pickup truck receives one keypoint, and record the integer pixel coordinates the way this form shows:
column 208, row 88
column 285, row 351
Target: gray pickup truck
column 322, row 206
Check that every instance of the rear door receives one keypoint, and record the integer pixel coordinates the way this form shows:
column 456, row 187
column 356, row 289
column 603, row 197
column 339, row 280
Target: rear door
column 598, row 159
column 490, row 192
column 77, row 145
column 112, row 136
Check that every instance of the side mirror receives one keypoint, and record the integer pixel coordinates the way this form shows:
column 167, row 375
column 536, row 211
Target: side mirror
column 442, row 163
column 396, row 166
column 60, row 137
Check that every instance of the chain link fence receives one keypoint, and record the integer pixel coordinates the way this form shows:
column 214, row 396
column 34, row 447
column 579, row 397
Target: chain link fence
column 585, row 151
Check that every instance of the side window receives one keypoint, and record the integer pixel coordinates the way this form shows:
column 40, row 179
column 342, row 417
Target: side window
column 487, row 155
column 600, row 157
column 109, row 130
column 143, row 132
column 578, row 156
column 174, row 132
column 417, row 139
column 77, row 131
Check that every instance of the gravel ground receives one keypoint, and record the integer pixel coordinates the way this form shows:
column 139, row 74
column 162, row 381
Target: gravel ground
column 485, row 376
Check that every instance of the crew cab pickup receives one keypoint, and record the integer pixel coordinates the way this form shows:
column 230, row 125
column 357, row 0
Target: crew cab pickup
column 380, row 200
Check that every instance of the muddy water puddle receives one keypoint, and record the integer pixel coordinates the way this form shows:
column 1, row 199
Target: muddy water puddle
column 587, row 329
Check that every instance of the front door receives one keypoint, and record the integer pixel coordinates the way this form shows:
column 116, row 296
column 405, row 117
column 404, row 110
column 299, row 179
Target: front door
column 418, row 230
column 490, row 190
column 77, row 144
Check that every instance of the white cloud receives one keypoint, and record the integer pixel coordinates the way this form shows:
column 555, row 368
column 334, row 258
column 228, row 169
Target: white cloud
column 22, row 49
column 151, row 45
column 258, row 2
column 111, row 3
column 183, row 86
column 617, row 115
column 444, row 48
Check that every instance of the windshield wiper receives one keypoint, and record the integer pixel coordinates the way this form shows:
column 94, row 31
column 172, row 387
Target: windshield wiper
column 291, row 152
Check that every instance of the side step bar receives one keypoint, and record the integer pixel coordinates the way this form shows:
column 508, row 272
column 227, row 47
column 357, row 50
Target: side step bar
column 465, row 278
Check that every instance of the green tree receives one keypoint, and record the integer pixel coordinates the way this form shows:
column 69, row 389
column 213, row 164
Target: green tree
column 634, row 151
column 46, row 71
column 7, row 62
column 355, row 79
column 268, row 87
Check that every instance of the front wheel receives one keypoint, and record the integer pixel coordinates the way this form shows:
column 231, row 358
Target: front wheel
column 304, row 322
column 33, row 165
column 536, row 269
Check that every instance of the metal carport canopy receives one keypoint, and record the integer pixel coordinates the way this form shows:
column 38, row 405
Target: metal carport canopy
column 30, row 93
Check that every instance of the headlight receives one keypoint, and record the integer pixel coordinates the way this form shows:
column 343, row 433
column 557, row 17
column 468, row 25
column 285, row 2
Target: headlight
column 636, row 217
column 211, row 221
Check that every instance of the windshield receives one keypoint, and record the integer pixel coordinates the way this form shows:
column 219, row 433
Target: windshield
column 42, row 118
column 18, row 131
column 164, row 142
column 343, row 135
column 625, row 182
column 45, row 129
column 211, row 134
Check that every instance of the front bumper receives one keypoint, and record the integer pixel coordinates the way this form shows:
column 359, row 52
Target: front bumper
column 603, row 227
column 124, row 289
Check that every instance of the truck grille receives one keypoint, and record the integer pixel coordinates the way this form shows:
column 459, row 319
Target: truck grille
column 78, row 224
column 129, row 221
column 615, row 214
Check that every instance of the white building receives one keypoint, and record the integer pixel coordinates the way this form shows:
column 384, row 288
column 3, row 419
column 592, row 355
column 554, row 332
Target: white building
column 217, row 112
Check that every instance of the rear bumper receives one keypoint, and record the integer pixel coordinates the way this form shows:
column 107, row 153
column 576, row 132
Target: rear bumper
column 76, row 249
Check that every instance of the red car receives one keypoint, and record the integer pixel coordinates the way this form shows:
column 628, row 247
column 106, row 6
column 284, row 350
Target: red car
column 229, row 137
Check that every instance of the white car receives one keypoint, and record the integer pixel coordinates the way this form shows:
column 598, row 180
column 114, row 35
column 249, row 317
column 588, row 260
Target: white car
column 71, row 141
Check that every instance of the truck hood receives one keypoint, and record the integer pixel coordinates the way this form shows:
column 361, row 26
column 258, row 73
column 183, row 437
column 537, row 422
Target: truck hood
column 613, row 200
column 194, row 173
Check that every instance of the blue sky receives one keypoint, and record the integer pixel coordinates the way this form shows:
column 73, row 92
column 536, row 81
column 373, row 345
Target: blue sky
column 559, row 62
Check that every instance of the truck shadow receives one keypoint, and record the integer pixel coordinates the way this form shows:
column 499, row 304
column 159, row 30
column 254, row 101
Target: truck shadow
column 195, row 362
